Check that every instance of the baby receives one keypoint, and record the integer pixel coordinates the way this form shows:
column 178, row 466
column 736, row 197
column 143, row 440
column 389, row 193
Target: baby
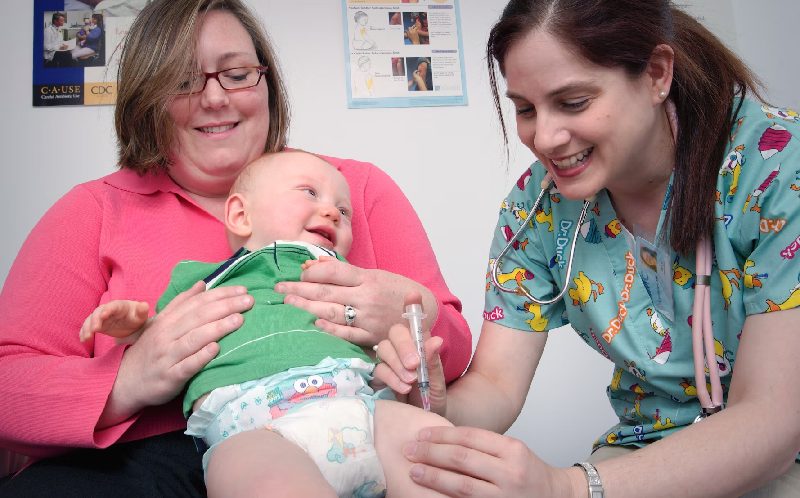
column 278, row 372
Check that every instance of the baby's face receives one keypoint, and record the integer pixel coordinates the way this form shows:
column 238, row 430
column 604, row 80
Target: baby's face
column 299, row 196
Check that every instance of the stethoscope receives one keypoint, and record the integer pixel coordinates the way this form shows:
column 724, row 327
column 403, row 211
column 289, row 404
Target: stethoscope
column 702, row 333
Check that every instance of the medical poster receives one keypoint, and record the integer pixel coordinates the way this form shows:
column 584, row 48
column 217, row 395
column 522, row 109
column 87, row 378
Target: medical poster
column 74, row 49
column 403, row 53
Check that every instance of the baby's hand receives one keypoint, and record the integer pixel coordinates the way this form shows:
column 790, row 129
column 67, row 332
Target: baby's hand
column 311, row 262
column 121, row 319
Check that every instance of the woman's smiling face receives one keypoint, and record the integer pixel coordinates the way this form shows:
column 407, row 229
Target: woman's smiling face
column 592, row 127
column 219, row 131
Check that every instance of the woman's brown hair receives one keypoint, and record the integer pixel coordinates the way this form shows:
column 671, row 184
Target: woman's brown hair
column 622, row 34
column 157, row 54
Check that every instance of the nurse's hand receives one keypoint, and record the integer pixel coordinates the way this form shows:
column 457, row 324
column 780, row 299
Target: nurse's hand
column 173, row 347
column 465, row 461
column 398, row 362
column 376, row 296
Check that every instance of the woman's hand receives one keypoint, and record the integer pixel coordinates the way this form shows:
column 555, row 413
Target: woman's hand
column 398, row 362
column 412, row 33
column 376, row 296
column 465, row 461
column 173, row 347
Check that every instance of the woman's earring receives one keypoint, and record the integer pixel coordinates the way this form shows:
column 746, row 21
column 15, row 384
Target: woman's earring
column 662, row 94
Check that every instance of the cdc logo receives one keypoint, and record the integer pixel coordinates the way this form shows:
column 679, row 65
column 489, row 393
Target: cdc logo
column 102, row 89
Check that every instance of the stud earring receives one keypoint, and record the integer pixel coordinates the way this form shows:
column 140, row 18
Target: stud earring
column 662, row 94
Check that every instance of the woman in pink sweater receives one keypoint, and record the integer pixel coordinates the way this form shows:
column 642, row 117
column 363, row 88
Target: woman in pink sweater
column 194, row 106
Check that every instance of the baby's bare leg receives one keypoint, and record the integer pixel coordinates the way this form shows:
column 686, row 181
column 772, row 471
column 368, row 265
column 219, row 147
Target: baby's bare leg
column 262, row 463
column 395, row 425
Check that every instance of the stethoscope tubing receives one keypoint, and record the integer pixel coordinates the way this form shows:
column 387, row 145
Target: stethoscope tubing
column 546, row 184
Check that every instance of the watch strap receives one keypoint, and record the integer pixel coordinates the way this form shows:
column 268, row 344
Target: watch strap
column 593, row 478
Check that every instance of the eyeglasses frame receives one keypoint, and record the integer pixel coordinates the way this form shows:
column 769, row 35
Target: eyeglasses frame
column 262, row 70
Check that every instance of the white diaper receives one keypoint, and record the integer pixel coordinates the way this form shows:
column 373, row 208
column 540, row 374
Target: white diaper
column 326, row 409
column 337, row 434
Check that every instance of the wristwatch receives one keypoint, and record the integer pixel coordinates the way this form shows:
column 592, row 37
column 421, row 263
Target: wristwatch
column 595, row 484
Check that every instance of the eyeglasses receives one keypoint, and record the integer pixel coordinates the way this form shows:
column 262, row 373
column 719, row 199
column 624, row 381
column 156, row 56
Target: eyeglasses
column 235, row 78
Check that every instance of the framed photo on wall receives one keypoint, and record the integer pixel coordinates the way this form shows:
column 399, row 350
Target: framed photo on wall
column 74, row 44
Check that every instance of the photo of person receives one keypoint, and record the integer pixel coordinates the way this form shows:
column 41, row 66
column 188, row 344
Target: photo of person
column 53, row 40
column 80, row 4
column 416, row 28
column 109, row 8
column 420, row 75
column 649, row 258
column 398, row 66
column 89, row 42
column 395, row 19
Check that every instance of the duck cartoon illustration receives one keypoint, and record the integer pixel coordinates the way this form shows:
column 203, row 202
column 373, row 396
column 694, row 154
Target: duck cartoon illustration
column 517, row 274
column 538, row 322
column 792, row 301
column 584, row 289
column 616, row 379
column 613, row 228
column 681, row 275
column 545, row 217
column 689, row 389
column 752, row 280
column 728, row 282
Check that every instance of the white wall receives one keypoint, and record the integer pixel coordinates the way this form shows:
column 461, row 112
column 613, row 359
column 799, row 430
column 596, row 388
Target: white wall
column 455, row 179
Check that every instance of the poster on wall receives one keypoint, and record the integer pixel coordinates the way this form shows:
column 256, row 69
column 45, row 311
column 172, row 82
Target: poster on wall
column 73, row 47
column 403, row 53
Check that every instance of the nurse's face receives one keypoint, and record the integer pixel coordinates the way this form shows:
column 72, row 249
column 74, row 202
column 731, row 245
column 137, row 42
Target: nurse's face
column 219, row 131
column 592, row 127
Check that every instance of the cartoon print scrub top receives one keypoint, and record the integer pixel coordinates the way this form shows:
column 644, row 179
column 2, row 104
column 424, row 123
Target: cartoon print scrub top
column 638, row 317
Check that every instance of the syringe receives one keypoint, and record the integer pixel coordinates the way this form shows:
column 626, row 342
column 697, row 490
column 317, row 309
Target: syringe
column 415, row 316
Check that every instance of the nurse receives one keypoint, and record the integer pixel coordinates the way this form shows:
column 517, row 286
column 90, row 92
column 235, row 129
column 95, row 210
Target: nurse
column 635, row 104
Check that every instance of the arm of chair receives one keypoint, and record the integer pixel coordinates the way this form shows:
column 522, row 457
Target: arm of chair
column 11, row 462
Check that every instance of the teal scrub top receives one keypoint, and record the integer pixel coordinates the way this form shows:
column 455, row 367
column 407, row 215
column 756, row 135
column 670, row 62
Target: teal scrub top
column 617, row 306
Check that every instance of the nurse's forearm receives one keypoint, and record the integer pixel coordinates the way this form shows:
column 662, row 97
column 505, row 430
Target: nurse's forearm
column 475, row 401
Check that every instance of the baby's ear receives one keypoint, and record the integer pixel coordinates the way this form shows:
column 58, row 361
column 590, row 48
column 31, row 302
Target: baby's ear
column 237, row 221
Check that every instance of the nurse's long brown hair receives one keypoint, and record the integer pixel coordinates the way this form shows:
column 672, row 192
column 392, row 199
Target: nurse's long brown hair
column 622, row 34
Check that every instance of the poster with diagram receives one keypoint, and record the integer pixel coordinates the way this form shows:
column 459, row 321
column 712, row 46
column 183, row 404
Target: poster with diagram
column 403, row 53
column 74, row 42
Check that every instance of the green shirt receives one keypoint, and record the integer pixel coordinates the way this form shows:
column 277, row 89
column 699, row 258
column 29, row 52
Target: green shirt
column 274, row 336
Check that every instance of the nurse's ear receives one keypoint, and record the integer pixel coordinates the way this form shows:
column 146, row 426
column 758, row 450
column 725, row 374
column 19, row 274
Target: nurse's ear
column 659, row 72
column 237, row 220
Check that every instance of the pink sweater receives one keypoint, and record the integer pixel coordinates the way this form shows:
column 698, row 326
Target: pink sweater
column 118, row 238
